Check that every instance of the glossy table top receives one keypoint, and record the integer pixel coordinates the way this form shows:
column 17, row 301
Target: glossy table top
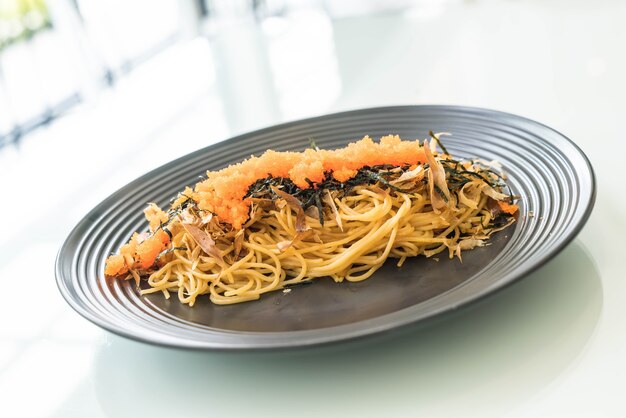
column 553, row 344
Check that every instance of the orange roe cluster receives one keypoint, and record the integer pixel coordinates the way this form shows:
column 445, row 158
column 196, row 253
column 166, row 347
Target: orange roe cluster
column 223, row 191
column 508, row 208
column 137, row 254
column 142, row 250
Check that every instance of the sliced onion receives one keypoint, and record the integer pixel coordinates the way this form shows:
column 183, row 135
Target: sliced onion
column 204, row 240
column 436, row 177
column 492, row 193
column 284, row 245
column 467, row 201
column 295, row 205
column 490, row 164
column 312, row 212
column 238, row 242
column 471, row 243
column 416, row 174
column 332, row 205
column 468, row 244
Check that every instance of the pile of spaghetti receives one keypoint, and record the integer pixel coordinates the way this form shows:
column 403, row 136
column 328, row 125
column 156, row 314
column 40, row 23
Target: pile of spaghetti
column 288, row 217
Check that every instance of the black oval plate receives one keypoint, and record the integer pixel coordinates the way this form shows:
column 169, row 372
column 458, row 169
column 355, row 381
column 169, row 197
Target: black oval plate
column 549, row 171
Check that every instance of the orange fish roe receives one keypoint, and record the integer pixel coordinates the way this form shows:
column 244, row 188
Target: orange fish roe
column 115, row 265
column 140, row 253
column 508, row 208
column 223, row 191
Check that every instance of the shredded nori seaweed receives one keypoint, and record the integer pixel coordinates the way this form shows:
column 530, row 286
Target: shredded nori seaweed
column 456, row 177
column 312, row 195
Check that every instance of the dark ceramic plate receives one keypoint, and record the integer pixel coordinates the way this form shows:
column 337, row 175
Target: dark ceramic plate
column 547, row 169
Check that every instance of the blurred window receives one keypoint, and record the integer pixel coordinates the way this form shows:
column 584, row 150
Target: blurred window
column 55, row 54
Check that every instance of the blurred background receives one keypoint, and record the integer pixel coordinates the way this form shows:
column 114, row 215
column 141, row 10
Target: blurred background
column 270, row 59
column 94, row 94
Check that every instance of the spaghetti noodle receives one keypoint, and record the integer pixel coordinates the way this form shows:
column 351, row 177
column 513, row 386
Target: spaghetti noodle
column 286, row 218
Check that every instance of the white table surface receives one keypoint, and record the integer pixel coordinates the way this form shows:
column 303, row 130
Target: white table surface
column 552, row 345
